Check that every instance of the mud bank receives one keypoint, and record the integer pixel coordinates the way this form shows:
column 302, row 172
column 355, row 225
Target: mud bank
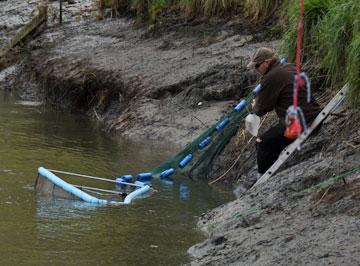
column 289, row 220
column 170, row 86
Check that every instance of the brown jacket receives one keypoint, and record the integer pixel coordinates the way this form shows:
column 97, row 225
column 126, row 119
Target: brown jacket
column 276, row 92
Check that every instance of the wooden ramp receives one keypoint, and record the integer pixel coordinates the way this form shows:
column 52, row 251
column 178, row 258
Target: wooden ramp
column 289, row 150
column 7, row 54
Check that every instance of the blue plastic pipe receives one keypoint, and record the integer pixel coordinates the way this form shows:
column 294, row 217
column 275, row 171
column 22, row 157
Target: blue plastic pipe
column 70, row 188
column 86, row 197
column 185, row 161
column 136, row 193
column 204, row 143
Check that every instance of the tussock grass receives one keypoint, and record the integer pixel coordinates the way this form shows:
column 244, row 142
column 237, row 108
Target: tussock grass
column 260, row 10
column 330, row 41
column 315, row 10
column 353, row 69
column 335, row 33
column 190, row 7
column 209, row 8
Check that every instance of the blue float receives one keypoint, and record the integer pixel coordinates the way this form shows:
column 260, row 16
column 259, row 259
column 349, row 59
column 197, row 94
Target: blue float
column 144, row 177
column 257, row 88
column 204, row 143
column 123, row 179
column 241, row 105
column 167, row 172
column 127, row 178
column 222, row 124
column 185, row 161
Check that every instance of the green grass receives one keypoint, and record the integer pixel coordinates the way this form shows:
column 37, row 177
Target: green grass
column 315, row 10
column 330, row 41
column 335, row 33
column 353, row 69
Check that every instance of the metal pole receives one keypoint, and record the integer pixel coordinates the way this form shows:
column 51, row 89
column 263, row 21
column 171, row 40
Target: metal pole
column 101, row 189
column 93, row 177
column 60, row 6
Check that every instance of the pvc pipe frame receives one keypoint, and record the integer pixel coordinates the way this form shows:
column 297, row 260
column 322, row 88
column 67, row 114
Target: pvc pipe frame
column 86, row 197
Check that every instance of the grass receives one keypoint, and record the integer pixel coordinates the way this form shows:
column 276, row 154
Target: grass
column 353, row 69
column 335, row 33
column 315, row 10
column 330, row 41
column 260, row 10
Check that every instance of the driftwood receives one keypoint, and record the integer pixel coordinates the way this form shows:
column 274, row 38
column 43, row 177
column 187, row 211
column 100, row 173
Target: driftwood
column 7, row 54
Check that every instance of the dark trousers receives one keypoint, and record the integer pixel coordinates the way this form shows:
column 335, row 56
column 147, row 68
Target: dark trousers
column 271, row 145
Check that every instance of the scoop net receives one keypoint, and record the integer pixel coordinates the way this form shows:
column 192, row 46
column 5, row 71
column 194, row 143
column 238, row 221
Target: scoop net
column 194, row 160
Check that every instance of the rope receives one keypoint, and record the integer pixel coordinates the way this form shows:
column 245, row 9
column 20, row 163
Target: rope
column 298, row 54
column 238, row 158
column 295, row 118
column 235, row 162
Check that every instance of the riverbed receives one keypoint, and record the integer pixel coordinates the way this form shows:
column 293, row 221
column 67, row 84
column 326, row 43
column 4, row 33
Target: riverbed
column 37, row 230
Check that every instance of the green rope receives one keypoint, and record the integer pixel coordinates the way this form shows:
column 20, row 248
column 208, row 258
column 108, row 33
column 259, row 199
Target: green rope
column 328, row 182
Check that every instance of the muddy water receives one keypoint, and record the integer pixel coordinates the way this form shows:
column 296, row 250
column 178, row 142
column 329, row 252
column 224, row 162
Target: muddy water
column 44, row 231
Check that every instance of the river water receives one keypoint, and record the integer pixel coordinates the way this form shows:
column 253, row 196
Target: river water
column 36, row 230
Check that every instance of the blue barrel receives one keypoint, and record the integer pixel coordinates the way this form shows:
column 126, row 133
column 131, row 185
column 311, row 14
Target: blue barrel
column 185, row 161
column 257, row 88
column 204, row 143
column 283, row 60
column 167, row 172
column 127, row 178
column 222, row 124
column 144, row 177
column 241, row 105
column 119, row 181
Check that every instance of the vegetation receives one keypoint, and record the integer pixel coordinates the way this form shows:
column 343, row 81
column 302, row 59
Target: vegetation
column 331, row 42
column 256, row 10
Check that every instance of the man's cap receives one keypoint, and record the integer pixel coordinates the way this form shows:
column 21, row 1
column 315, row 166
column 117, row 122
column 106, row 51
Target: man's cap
column 260, row 55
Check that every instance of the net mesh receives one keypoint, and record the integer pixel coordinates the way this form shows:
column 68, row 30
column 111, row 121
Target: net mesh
column 45, row 187
column 202, row 158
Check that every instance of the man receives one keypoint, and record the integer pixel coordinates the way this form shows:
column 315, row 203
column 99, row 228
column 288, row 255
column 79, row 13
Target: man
column 277, row 85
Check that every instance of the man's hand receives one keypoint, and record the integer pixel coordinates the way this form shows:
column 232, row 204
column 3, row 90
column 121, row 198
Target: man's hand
column 253, row 104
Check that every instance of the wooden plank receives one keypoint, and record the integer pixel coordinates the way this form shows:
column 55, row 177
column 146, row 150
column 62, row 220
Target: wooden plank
column 7, row 56
column 29, row 28
column 289, row 150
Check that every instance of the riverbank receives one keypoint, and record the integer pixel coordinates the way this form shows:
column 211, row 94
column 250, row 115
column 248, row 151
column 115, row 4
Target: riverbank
column 173, row 85
column 300, row 216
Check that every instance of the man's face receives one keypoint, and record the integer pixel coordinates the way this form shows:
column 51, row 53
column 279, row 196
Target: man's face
column 262, row 67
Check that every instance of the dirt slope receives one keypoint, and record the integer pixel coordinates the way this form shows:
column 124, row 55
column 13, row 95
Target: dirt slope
column 290, row 220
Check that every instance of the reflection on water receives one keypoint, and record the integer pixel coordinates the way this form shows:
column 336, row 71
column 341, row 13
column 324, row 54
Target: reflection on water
column 53, row 231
